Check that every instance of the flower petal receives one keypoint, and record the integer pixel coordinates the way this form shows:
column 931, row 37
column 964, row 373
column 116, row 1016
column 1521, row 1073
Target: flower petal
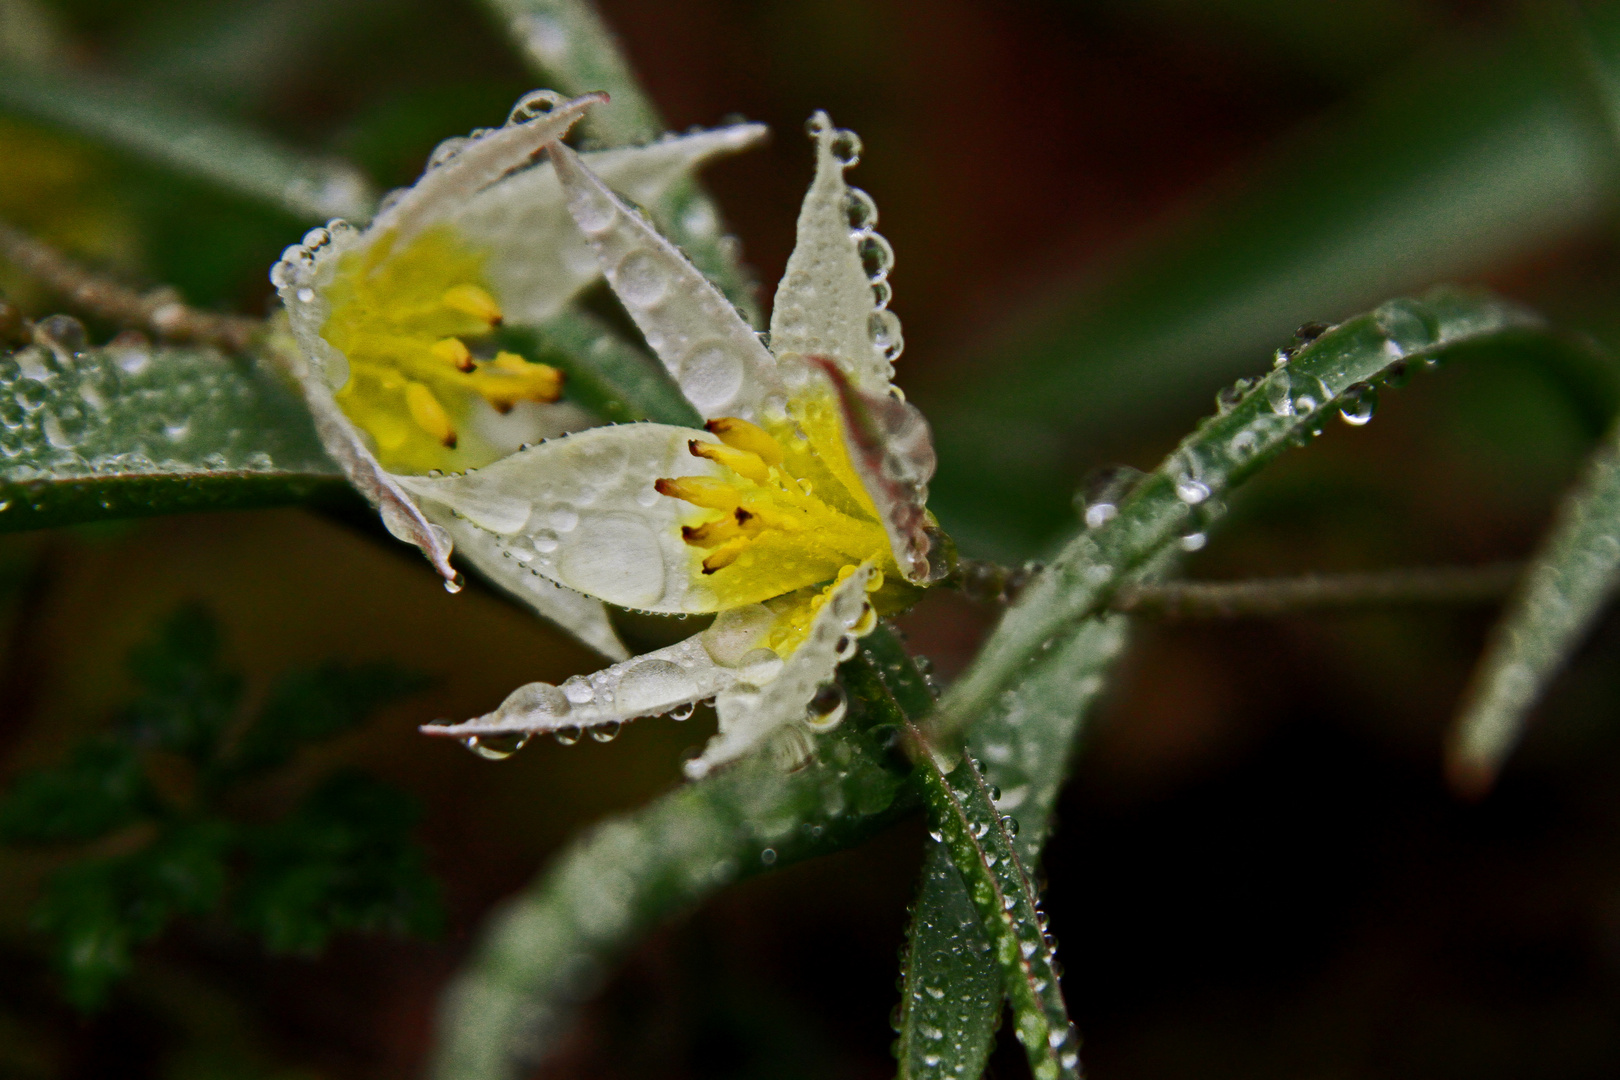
column 750, row 714
column 713, row 353
column 582, row 511
column 398, row 510
column 648, row 685
column 830, row 302
column 892, row 451
column 537, row 258
column 583, row 617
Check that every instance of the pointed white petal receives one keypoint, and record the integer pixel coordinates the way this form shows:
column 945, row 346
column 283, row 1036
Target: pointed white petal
column 750, row 714
column 538, row 260
column 582, row 511
column 713, row 354
column 344, row 443
column 648, row 685
column 827, row 304
column 586, row 619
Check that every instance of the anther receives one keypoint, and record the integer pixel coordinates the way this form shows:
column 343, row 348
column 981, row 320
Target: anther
column 453, row 351
column 701, row 491
column 744, row 463
column 742, row 435
column 429, row 414
column 474, row 301
column 724, row 555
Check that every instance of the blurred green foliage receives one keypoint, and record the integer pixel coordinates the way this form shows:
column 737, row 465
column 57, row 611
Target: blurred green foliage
column 151, row 804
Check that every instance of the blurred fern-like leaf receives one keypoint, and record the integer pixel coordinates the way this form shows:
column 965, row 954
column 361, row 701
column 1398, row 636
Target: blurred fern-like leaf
column 154, row 791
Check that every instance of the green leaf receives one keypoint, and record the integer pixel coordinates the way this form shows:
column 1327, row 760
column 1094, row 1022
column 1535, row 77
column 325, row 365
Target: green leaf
column 188, row 698
column 311, row 705
column 1458, row 163
column 97, row 911
column 962, row 810
column 1180, row 499
column 181, row 139
column 343, row 861
column 100, row 789
column 117, row 432
column 566, row 43
column 1025, row 744
column 1562, row 592
column 552, row 944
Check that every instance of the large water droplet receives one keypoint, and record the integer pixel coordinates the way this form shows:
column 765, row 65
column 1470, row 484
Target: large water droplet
column 639, row 280
column 497, row 747
column 606, row 732
column 711, row 374
column 1358, row 404
column 534, row 105
column 651, row 686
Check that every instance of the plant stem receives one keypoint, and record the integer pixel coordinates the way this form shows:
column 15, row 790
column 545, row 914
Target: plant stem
column 159, row 311
column 1318, row 592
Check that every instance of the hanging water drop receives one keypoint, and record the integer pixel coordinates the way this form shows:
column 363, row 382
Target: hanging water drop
column 826, row 708
column 497, row 747
column 607, row 732
column 683, row 712
column 1358, row 405
column 567, row 736
column 454, row 585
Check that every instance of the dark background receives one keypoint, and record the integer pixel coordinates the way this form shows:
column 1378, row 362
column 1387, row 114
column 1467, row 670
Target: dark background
column 1258, row 870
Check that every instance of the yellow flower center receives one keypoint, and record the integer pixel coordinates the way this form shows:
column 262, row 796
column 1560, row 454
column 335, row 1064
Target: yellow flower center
column 414, row 325
column 786, row 515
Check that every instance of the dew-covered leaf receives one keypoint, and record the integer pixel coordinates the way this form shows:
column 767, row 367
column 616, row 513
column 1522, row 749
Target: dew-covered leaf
column 1469, row 158
column 1558, row 599
column 177, row 137
column 126, row 431
column 553, row 944
column 1335, row 372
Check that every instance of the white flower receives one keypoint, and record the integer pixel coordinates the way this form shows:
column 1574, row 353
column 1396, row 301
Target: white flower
column 396, row 349
column 797, row 515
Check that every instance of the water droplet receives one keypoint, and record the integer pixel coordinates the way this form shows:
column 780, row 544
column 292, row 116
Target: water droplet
column 306, row 295
column 860, row 210
column 1010, row 823
column 567, row 736
column 1194, row 541
column 845, row 647
column 639, row 280
column 453, row 585
column 768, row 856
column 759, row 666
column 877, row 257
column 939, row 837
column 535, row 104
column 606, row 732
column 497, row 747
column 1279, row 394
column 1243, row 445
column 846, row 148
column 826, row 708
column 1358, row 404
column 1191, row 491
column 683, row 712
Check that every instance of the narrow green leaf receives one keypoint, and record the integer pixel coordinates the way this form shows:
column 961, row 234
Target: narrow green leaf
column 1558, row 599
column 118, row 432
column 1467, row 159
column 1181, row 498
column 962, row 810
column 552, row 945
column 1025, row 744
column 603, row 372
column 567, row 43
column 177, row 137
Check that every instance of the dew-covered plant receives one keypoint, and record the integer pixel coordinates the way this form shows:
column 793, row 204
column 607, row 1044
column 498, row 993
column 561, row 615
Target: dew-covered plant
column 544, row 365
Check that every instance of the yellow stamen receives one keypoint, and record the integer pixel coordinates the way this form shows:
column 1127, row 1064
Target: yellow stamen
column 742, row 435
column 473, row 300
column 742, row 462
column 429, row 414
column 453, row 351
column 509, row 379
column 724, row 555
column 701, row 491
column 713, row 533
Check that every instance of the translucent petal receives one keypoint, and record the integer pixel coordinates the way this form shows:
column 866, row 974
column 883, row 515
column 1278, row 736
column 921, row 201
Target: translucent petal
column 582, row 511
column 714, row 355
column 399, row 511
column 648, row 685
column 892, row 451
column 538, row 259
column 826, row 304
column 582, row 616
column 750, row 714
